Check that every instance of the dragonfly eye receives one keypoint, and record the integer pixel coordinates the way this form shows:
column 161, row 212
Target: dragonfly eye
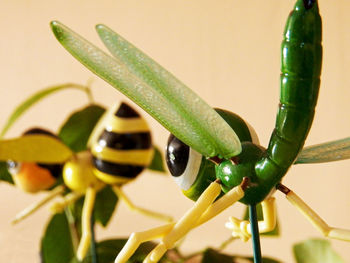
column 183, row 162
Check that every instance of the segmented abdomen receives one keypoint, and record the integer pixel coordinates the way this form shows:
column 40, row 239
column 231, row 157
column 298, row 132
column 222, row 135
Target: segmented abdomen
column 300, row 80
column 123, row 148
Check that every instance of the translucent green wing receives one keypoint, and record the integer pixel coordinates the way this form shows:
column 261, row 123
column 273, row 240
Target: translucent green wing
column 325, row 152
column 155, row 90
column 34, row 148
column 165, row 83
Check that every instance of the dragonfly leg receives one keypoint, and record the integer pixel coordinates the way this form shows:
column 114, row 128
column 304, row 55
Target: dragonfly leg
column 186, row 223
column 58, row 206
column 136, row 239
column 224, row 202
column 88, row 207
column 171, row 232
column 35, row 206
column 315, row 219
column 121, row 195
column 203, row 210
column 242, row 228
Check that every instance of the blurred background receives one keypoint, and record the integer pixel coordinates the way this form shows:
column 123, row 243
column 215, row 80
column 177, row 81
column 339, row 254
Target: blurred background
column 228, row 51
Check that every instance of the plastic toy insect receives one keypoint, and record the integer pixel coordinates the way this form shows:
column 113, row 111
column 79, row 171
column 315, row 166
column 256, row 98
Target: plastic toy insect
column 241, row 169
column 120, row 148
column 35, row 177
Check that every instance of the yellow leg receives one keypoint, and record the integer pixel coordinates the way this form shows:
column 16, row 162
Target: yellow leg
column 174, row 231
column 86, row 223
column 315, row 219
column 203, row 210
column 186, row 223
column 220, row 205
column 32, row 208
column 242, row 229
column 68, row 199
column 136, row 239
column 121, row 195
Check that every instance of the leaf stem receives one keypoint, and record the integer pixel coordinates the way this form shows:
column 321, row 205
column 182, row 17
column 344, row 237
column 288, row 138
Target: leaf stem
column 72, row 228
column 36, row 97
column 227, row 242
column 88, row 91
column 253, row 218
column 93, row 241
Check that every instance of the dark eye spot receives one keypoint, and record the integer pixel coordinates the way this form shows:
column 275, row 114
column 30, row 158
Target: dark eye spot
column 177, row 154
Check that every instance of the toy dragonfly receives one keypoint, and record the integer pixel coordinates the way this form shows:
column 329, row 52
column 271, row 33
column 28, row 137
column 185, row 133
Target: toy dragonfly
column 215, row 155
column 119, row 149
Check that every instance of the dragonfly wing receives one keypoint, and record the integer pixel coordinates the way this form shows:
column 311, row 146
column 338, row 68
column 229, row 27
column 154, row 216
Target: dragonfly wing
column 165, row 98
column 34, row 148
column 325, row 152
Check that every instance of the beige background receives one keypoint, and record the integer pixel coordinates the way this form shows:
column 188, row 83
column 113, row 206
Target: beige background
column 227, row 51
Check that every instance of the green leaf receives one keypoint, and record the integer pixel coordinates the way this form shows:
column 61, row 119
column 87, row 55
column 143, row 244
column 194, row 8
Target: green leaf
column 34, row 148
column 32, row 100
column 105, row 204
column 76, row 212
column 213, row 256
column 106, row 201
column 315, row 251
column 275, row 232
column 4, row 173
column 76, row 131
column 56, row 244
column 157, row 162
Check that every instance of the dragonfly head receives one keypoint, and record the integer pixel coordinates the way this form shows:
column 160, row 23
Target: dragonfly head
column 194, row 172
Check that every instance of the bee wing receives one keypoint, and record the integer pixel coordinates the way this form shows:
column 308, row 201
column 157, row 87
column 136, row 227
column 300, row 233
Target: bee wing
column 34, row 148
column 155, row 90
column 325, row 152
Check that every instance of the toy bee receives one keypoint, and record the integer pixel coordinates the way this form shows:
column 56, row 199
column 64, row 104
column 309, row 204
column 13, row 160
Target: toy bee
column 34, row 177
column 123, row 148
column 119, row 149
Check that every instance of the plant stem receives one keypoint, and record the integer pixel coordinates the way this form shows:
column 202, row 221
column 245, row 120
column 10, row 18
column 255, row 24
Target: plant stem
column 88, row 91
column 253, row 218
column 72, row 228
column 226, row 243
column 93, row 241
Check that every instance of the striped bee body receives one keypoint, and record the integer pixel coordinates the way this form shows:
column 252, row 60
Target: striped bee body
column 121, row 145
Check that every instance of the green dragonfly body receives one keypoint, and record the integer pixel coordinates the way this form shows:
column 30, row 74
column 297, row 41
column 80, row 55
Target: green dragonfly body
column 300, row 79
column 197, row 125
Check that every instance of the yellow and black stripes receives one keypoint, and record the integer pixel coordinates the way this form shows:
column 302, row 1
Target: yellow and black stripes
column 123, row 148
